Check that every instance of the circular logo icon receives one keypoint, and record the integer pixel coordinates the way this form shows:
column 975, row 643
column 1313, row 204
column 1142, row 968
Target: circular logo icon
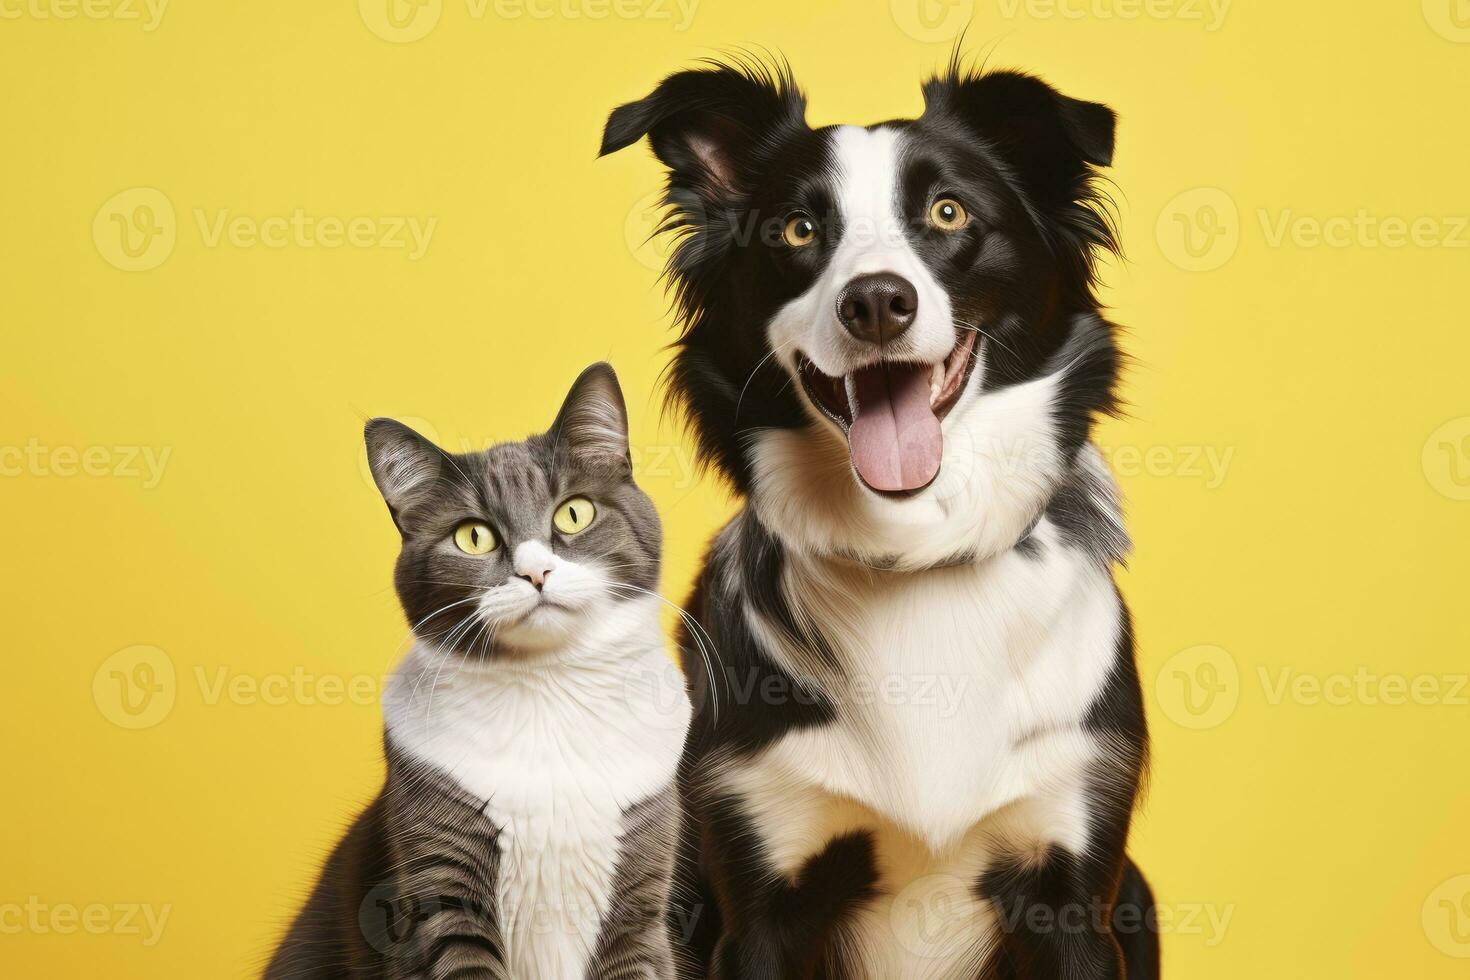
column 1199, row 687
column 1446, row 917
column 659, row 688
column 135, row 687
column 932, row 21
column 929, row 915
column 649, row 247
column 135, row 230
column 1199, row 229
column 1450, row 19
column 1446, row 459
column 400, row 21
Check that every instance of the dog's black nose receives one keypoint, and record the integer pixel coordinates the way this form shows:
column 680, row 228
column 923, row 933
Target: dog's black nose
column 877, row 308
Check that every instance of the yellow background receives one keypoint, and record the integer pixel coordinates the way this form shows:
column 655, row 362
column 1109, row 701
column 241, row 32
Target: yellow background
column 1328, row 539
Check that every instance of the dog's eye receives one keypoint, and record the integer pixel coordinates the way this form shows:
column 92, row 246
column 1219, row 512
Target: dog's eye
column 800, row 231
column 573, row 516
column 475, row 538
column 947, row 214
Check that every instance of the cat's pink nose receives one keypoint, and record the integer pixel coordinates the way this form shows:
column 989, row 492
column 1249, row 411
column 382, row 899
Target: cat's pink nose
column 533, row 562
column 536, row 576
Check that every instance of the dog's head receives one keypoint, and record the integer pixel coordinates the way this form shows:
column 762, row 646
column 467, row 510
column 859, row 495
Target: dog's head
column 850, row 295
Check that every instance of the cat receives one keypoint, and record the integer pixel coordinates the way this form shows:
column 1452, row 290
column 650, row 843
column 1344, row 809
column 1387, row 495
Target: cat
column 525, row 829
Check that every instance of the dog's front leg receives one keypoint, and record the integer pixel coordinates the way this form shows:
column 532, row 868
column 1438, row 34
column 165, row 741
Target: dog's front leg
column 782, row 929
column 1056, row 918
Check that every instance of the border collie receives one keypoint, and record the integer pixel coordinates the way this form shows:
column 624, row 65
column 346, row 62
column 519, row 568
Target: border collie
column 922, row 745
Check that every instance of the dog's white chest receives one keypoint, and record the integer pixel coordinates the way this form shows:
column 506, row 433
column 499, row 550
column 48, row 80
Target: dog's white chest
column 959, row 735
column 960, row 690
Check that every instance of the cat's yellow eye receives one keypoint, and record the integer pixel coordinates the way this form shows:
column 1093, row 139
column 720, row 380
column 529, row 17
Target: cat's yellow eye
column 800, row 231
column 947, row 214
column 573, row 516
column 475, row 538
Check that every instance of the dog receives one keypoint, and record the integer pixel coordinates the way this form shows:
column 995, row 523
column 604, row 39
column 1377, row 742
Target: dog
column 922, row 745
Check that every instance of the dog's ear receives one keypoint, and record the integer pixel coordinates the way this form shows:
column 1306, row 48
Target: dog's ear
column 1052, row 141
column 707, row 125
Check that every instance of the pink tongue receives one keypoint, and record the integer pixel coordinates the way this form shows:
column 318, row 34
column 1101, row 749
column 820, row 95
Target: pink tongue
column 895, row 439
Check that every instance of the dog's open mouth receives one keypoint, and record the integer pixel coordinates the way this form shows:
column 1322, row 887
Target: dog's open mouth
column 891, row 412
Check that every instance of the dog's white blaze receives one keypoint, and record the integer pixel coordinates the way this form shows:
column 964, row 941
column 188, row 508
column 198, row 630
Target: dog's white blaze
column 992, row 760
column 874, row 239
column 560, row 745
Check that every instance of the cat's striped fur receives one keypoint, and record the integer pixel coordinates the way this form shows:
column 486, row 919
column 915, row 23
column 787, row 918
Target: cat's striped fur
column 527, row 822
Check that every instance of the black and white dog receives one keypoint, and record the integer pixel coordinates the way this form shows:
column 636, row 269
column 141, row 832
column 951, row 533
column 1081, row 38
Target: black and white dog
column 920, row 751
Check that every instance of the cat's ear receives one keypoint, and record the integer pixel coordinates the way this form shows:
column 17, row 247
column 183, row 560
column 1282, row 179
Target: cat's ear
column 404, row 463
column 593, row 421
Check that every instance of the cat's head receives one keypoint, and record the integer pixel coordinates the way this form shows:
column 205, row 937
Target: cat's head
column 525, row 544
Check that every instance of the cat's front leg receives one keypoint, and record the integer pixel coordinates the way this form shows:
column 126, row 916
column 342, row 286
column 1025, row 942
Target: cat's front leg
column 450, row 935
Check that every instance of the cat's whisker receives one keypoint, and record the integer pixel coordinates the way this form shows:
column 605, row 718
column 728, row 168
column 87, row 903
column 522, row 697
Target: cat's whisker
column 707, row 653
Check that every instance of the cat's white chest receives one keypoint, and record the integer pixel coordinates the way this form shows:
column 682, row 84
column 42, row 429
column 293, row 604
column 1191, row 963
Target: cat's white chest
column 558, row 753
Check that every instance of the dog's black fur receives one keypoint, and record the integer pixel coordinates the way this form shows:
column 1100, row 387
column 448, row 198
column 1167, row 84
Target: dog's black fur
column 740, row 156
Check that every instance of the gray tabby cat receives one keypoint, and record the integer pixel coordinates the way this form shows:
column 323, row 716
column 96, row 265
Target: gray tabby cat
column 526, row 826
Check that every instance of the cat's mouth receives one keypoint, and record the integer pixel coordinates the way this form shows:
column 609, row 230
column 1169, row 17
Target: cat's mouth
column 891, row 412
